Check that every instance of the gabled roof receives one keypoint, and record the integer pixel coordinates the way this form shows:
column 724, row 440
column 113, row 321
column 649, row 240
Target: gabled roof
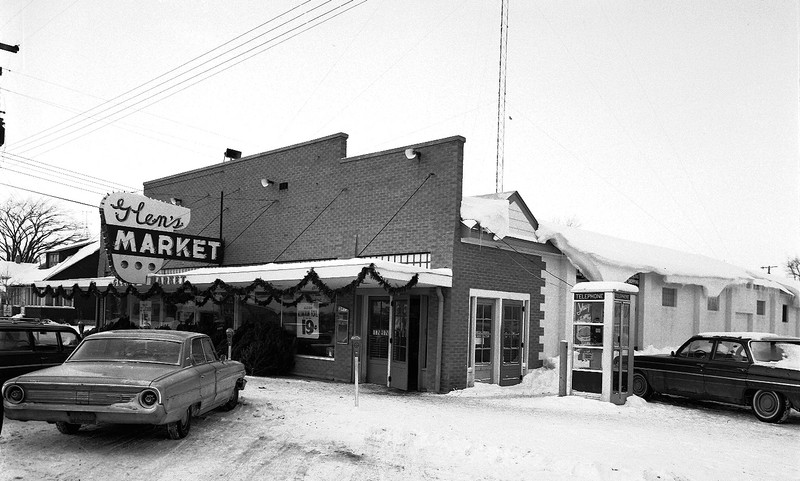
column 503, row 214
column 35, row 275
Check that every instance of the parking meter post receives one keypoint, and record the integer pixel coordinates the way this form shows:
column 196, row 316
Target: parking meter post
column 80, row 327
column 229, row 333
column 356, row 348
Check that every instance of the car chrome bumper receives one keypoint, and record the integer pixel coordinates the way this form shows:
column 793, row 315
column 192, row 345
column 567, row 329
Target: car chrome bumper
column 83, row 414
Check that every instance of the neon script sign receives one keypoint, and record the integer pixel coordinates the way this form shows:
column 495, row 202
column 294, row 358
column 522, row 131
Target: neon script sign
column 142, row 233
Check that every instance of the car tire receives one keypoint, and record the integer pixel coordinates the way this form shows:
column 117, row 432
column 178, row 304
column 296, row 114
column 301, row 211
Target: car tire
column 641, row 387
column 770, row 406
column 233, row 401
column 180, row 428
column 67, row 428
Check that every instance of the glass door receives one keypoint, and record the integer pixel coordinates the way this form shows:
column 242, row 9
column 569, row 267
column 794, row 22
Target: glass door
column 511, row 365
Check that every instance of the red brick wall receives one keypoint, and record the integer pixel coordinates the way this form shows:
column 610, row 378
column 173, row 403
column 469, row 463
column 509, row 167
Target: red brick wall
column 262, row 225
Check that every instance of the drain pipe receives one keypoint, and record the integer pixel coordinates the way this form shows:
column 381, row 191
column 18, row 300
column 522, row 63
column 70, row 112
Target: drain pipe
column 439, row 330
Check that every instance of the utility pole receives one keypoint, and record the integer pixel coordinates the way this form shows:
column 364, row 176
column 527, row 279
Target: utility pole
column 768, row 268
column 12, row 49
column 501, row 97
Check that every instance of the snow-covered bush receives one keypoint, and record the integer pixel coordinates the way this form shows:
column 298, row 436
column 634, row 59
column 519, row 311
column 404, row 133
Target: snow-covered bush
column 264, row 348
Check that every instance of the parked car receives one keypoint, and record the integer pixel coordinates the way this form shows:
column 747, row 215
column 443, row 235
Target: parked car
column 156, row 377
column 750, row 369
column 28, row 344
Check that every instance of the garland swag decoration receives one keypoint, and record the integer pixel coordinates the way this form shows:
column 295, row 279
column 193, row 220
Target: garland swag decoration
column 220, row 292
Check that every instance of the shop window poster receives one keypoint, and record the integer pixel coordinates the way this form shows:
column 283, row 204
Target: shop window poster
column 308, row 320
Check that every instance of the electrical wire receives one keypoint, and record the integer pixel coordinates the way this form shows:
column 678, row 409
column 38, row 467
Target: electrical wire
column 26, row 139
column 252, row 222
column 41, row 143
column 396, row 212
column 309, row 224
column 67, row 173
column 48, row 195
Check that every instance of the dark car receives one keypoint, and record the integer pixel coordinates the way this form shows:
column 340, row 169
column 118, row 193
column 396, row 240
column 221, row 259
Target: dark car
column 144, row 376
column 30, row 344
column 749, row 369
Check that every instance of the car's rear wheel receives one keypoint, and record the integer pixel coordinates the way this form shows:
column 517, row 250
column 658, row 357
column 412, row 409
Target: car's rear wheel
column 770, row 406
column 67, row 428
column 180, row 428
column 641, row 387
column 233, row 401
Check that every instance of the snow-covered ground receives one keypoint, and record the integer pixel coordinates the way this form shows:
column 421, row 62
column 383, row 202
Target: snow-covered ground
column 291, row 428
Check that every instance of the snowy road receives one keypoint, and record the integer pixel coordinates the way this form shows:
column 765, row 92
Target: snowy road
column 293, row 429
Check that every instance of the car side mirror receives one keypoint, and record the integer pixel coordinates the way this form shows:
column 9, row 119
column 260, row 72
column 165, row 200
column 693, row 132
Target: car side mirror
column 672, row 353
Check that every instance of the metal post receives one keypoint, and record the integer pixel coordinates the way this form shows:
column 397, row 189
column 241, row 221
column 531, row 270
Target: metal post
column 562, row 368
column 229, row 333
column 356, row 381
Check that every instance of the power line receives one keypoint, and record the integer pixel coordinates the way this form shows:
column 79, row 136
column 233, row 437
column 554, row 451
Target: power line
column 50, row 180
column 66, row 172
column 48, row 195
column 41, row 142
column 208, row 70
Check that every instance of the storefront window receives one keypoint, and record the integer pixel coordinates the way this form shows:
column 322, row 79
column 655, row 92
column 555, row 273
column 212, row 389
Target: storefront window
column 313, row 324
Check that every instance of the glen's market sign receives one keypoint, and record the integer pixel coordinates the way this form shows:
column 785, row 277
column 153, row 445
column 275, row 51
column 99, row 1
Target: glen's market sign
column 142, row 233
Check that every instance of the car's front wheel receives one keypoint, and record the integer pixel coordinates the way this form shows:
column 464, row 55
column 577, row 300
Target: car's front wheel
column 770, row 406
column 180, row 428
column 67, row 428
column 233, row 401
column 641, row 387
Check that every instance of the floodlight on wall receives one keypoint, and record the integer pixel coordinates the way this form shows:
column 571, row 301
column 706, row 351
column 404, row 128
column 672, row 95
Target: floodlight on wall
column 412, row 154
column 267, row 182
column 232, row 154
column 175, row 201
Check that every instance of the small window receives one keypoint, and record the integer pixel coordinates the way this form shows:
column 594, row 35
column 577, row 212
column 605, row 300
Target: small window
column 197, row 351
column 669, row 297
column 730, row 351
column 697, row 349
column 713, row 303
column 761, row 307
column 14, row 341
column 69, row 340
column 208, row 350
column 784, row 313
column 45, row 340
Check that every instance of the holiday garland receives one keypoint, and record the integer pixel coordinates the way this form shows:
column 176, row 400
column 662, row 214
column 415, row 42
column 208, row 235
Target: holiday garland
column 219, row 292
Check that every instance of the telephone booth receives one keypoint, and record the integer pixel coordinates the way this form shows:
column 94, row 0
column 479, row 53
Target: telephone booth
column 600, row 348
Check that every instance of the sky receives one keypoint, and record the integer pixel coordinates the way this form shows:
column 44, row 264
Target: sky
column 670, row 123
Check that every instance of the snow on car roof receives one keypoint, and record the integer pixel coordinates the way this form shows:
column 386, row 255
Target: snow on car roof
column 755, row 336
column 146, row 333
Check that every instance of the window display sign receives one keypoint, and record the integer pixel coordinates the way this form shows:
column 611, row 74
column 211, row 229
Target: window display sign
column 308, row 320
column 141, row 233
column 145, row 313
column 342, row 325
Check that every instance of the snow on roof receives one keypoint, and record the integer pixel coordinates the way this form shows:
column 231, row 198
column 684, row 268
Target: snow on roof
column 10, row 269
column 35, row 275
column 491, row 214
column 343, row 269
column 604, row 258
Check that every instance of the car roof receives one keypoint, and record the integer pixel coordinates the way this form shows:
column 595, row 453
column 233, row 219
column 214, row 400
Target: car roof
column 33, row 324
column 147, row 334
column 750, row 336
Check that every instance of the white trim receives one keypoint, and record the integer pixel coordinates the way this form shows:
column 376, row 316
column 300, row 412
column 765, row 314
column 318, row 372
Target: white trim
column 517, row 296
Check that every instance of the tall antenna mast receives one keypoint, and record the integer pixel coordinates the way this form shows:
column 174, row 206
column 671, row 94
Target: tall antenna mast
column 501, row 97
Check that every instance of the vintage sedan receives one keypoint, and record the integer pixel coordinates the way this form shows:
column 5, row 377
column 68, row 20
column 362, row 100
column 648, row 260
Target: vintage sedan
column 747, row 368
column 157, row 377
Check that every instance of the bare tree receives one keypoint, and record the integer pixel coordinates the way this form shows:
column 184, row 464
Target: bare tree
column 793, row 267
column 569, row 221
column 29, row 228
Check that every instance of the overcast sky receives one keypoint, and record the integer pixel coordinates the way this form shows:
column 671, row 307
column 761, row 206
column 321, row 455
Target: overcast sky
column 672, row 123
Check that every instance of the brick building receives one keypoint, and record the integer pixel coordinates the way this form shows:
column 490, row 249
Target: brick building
column 473, row 315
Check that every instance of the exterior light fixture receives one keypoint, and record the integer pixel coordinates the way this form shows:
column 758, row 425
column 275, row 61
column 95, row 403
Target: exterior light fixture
column 232, row 154
column 412, row 154
column 267, row 182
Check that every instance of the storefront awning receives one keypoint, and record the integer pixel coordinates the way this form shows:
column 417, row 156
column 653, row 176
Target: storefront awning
column 335, row 273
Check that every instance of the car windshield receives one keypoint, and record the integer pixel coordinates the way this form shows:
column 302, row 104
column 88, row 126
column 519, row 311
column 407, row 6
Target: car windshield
column 778, row 353
column 128, row 350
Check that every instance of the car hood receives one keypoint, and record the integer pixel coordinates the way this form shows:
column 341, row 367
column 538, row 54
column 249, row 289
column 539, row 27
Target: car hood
column 100, row 373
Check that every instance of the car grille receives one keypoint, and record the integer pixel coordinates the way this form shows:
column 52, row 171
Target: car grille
column 79, row 395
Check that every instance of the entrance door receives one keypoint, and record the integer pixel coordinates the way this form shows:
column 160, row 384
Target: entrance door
column 400, row 337
column 511, row 363
column 483, row 340
column 377, row 339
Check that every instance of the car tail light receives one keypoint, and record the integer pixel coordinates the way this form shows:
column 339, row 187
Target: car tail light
column 148, row 398
column 15, row 394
